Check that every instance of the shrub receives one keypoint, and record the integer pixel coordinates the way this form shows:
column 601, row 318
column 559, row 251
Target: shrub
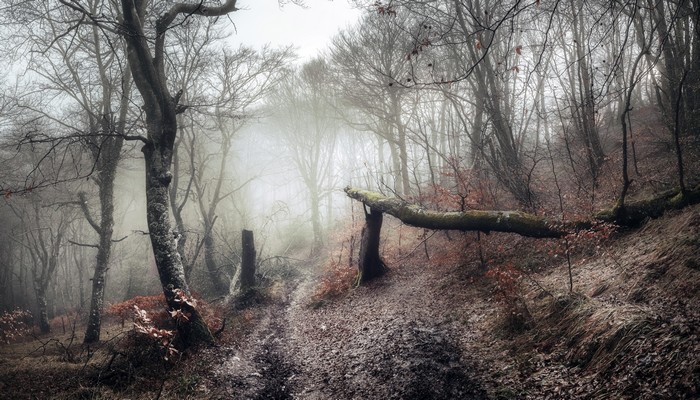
column 154, row 305
column 15, row 325
column 337, row 279
column 163, row 333
column 163, row 338
column 516, row 317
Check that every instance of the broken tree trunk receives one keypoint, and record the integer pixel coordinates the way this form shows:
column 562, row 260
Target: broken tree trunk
column 371, row 264
column 474, row 220
column 247, row 261
column 630, row 214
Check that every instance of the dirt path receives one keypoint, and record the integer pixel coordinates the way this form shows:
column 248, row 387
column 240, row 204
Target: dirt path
column 259, row 368
column 384, row 341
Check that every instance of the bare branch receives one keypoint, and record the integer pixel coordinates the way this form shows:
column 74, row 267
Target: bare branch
column 83, row 244
column 86, row 212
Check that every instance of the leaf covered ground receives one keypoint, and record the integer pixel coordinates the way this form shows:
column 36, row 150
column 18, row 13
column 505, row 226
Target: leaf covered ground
column 432, row 327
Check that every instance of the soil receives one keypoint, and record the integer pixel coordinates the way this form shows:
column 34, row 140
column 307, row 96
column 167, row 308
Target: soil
column 630, row 329
column 381, row 341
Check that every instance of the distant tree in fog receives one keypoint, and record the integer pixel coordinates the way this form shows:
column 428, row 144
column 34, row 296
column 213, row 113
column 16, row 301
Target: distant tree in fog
column 305, row 114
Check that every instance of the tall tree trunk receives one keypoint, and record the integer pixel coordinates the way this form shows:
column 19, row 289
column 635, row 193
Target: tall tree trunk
column 400, row 136
column 161, row 109
column 403, row 156
column 106, row 153
column 396, row 167
column 316, row 220
column 176, row 207
column 220, row 284
column 168, row 262
column 92, row 332
column 43, row 310
column 80, row 266
column 585, row 106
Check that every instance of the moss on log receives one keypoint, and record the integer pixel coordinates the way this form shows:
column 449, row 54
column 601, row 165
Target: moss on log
column 632, row 214
column 475, row 220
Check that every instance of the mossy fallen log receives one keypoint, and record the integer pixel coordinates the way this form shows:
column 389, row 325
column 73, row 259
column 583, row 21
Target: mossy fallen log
column 634, row 212
column 474, row 220
column 525, row 224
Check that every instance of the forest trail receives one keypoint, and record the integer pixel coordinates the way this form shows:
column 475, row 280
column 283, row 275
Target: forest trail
column 383, row 341
column 431, row 329
column 439, row 331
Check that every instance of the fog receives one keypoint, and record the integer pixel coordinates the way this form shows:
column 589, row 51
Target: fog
column 258, row 120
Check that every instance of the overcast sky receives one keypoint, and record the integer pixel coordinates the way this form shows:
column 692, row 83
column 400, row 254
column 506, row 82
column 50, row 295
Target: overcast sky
column 308, row 28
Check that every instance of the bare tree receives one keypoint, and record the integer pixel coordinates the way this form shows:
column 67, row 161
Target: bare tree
column 194, row 54
column 144, row 26
column 305, row 116
column 147, row 64
column 43, row 235
column 371, row 72
column 239, row 79
column 85, row 69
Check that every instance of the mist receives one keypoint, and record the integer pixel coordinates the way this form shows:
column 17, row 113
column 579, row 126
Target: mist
column 137, row 143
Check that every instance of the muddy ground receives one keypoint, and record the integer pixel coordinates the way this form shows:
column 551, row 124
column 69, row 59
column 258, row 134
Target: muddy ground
column 428, row 329
column 383, row 341
column 630, row 329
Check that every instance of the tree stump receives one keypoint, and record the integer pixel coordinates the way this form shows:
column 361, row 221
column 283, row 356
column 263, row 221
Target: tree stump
column 247, row 261
column 371, row 264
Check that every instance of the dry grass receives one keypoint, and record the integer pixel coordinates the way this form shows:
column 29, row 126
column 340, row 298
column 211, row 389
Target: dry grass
column 630, row 328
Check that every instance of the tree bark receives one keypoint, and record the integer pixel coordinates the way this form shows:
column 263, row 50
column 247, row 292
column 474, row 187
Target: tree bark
column 524, row 224
column 248, row 261
column 168, row 262
column 106, row 157
column 92, row 332
column 219, row 282
column 316, row 220
column 370, row 264
column 177, row 203
column 42, row 307
column 147, row 66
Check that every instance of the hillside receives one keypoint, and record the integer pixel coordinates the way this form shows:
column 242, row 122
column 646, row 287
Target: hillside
column 431, row 328
column 426, row 330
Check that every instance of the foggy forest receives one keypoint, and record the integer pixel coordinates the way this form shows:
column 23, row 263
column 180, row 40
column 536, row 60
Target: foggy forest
column 456, row 199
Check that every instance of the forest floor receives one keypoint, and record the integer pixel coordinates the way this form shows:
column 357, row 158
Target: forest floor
column 385, row 340
column 629, row 329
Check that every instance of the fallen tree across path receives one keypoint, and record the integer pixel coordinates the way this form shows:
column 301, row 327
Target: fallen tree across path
column 474, row 220
column 525, row 224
